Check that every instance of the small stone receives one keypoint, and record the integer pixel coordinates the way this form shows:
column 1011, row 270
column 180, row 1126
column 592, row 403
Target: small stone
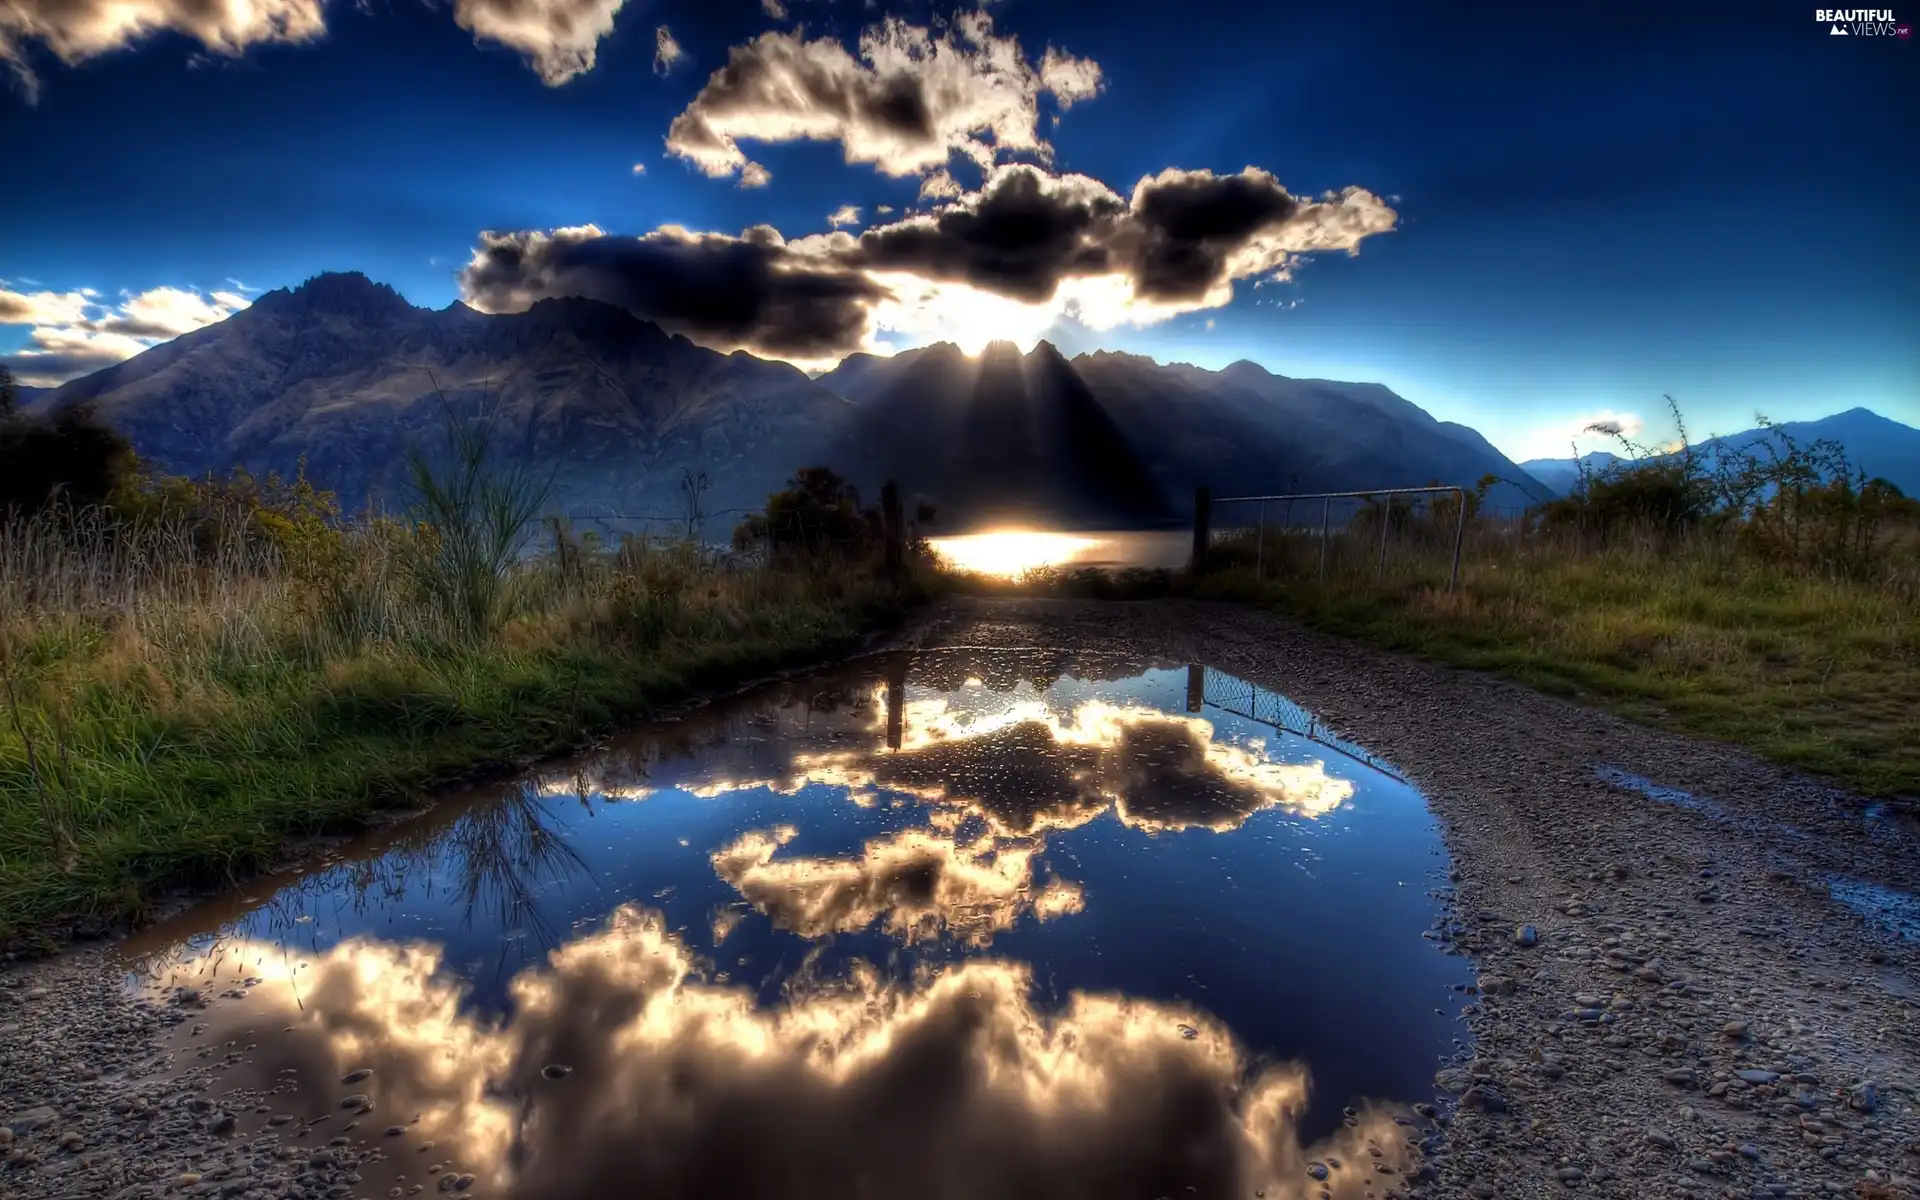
column 1484, row 1097
column 1570, row 1175
column 1755, row 1076
column 38, row 1117
column 1863, row 1097
column 1317, row 1171
column 1453, row 1080
column 1682, row 1077
column 557, row 1071
column 1663, row 1140
column 396, row 1130
column 186, row 1179
column 359, row 1100
column 1736, row 1029
column 1526, row 935
column 70, row 1140
column 357, row 1075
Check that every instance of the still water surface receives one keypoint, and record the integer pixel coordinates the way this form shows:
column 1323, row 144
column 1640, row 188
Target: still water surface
column 1010, row 554
column 958, row 924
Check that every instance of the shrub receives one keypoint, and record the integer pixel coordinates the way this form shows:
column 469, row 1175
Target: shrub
column 71, row 458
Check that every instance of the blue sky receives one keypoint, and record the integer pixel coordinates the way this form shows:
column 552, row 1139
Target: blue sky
column 1588, row 209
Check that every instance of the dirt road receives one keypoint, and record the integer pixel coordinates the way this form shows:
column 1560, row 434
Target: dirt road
column 1692, row 1014
column 1675, row 1002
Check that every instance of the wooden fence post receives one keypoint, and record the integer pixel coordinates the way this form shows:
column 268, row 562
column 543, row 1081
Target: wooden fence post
column 1202, row 529
column 895, row 530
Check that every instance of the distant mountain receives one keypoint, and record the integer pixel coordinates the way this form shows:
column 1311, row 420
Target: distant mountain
column 1145, row 434
column 1563, row 474
column 1880, row 446
column 342, row 373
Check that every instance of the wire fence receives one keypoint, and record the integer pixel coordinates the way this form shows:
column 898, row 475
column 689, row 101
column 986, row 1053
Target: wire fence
column 1233, row 695
column 1272, row 534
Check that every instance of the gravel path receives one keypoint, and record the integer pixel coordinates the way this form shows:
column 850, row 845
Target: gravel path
column 1675, row 1001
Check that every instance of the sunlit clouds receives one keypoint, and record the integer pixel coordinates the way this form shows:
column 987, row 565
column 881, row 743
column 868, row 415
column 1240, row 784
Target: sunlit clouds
column 76, row 333
column 915, row 885
column 667, row 53
column 559, row 38
column 1598, row 430
column 904, row 101
column 949, row 1086
column 76, row 30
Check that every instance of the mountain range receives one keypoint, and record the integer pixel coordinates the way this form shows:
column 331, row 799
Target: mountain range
column 1881, row 447
column 341, row 372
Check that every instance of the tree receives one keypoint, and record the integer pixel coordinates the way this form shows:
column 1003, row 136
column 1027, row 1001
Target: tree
column 9, row 393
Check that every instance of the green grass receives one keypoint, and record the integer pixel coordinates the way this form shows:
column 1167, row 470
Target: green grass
column 168, row 719
column 1817, row 673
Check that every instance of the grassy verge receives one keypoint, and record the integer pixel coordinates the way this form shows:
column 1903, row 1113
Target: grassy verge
column 1815, row 672
column 172, row 711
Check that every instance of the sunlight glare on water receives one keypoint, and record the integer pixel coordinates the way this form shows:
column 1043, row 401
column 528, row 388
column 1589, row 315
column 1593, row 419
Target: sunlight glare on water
column 1011, row 553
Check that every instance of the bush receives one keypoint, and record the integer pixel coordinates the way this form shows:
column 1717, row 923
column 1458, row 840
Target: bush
column 71, row 458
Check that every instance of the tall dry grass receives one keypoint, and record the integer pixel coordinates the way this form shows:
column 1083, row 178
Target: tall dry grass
column 1812, row 665
column 178, row 696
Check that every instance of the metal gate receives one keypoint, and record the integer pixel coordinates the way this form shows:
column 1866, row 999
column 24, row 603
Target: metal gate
column 1205, row 503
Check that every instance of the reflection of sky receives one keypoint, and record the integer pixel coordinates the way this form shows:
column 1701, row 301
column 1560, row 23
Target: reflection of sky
column 1217, row 863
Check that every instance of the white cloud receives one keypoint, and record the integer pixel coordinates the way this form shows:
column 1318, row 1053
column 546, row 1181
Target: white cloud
column 75, row 334
column 1570, row 436
column 44, row 308
column 75, row 30
column 941, row 185
column 774, row 9
column 911, row 99
column 639, row 168
column 846, row 214
column 666, row 51
column 558, row 37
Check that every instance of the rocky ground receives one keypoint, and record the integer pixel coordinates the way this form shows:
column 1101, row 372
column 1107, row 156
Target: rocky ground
column 1673, row 1000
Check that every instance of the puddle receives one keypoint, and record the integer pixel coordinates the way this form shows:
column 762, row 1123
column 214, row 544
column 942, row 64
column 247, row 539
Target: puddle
column 1887, row 909
column 969, row 923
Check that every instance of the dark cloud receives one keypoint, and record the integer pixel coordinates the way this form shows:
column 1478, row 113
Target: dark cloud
column 1186, row 225
column 53, row 367
column 750, row 292
column 1018, row 236
column 1177, row 245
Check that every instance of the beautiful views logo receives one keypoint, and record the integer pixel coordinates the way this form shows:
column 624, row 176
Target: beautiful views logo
column 1861, row 22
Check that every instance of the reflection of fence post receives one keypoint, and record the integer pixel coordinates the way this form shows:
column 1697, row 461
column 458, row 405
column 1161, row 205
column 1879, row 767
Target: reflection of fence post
column 1326, row 511
column 896, row 699
column 1202, row 529
column 1459, row 534
column 1196, row 687
column 895, row 528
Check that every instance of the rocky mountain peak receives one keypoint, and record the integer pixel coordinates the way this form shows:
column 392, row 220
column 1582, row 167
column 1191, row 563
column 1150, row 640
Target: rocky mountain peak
column 346, row 294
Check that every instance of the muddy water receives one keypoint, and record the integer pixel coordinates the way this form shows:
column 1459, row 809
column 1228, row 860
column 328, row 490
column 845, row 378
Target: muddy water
column 960, row 924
